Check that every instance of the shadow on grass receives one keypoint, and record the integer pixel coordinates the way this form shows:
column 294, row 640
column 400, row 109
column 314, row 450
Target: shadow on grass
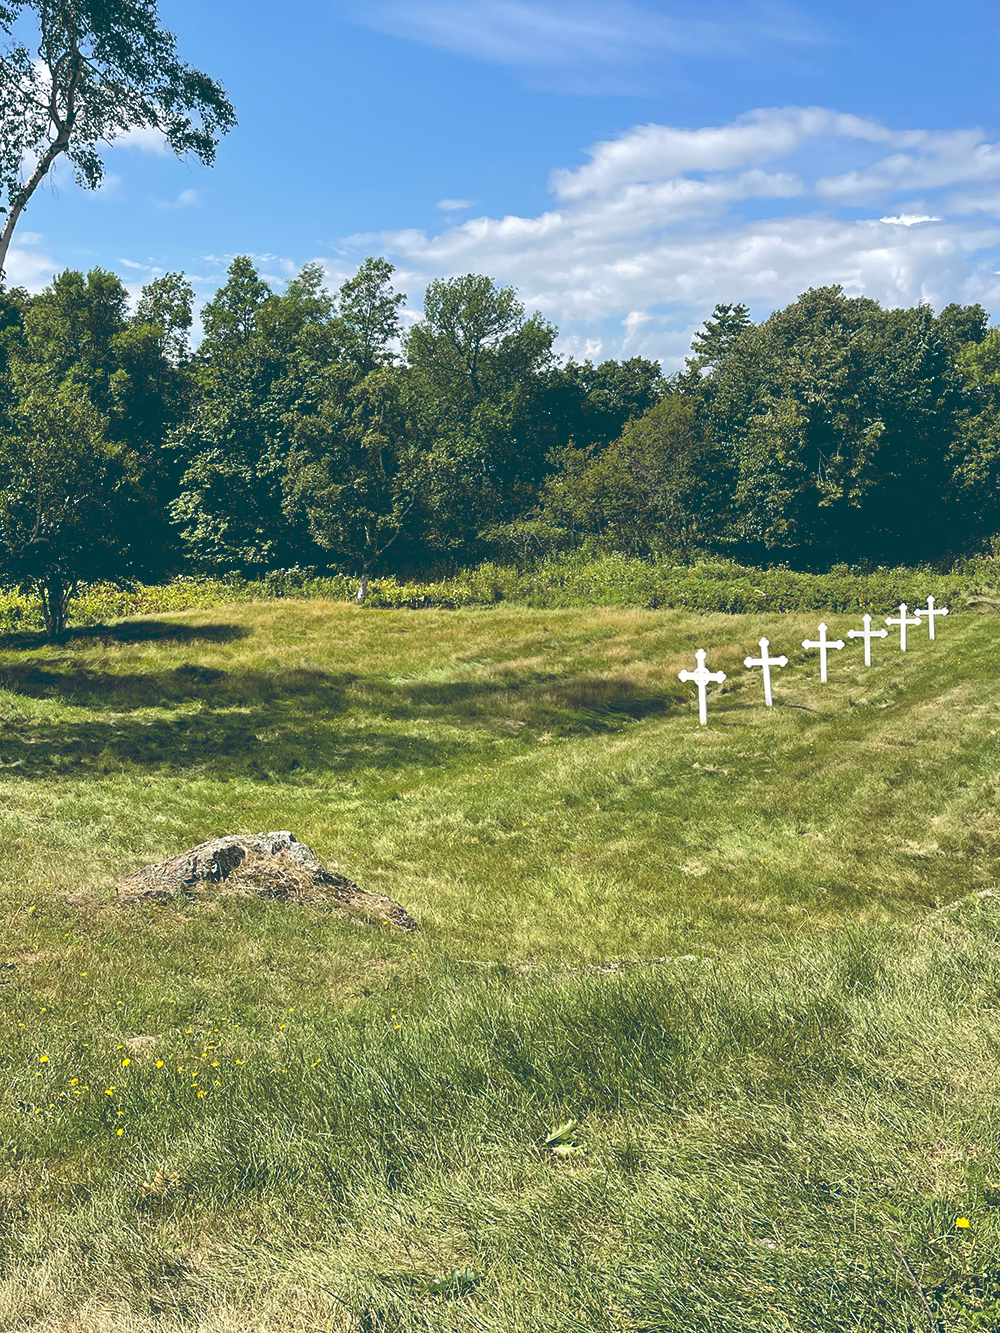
column 560, row 704
column 267, row 743
column 275, row 724
column 131, row 631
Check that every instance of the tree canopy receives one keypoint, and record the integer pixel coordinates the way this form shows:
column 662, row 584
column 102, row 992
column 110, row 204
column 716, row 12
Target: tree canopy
column 308, row 429
column 96, row 70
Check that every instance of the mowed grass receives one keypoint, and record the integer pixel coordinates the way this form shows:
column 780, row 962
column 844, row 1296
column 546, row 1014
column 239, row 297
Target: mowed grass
column 322, row 1125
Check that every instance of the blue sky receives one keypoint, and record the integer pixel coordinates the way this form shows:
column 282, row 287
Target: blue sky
column 624, row 165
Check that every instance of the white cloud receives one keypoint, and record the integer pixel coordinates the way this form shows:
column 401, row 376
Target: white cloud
column 186, row 199
column 144, row 138
column 454, row 205
column 33, row 269
column 662, row 222
column 910, row 219
column 588, row 45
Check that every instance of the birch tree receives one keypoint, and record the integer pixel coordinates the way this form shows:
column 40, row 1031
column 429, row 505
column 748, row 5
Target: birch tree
column 94, row 70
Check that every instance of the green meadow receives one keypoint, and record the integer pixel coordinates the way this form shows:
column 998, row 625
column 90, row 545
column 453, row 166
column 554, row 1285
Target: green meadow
column 700, row 1031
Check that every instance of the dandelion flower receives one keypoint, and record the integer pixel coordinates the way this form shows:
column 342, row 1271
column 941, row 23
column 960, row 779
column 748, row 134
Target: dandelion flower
column 202, row 1092
column 43, row 1059
column 110, row 1092
column 119, row 1132
column 159, row 1064
column 126, row 1062
column 962, row 1222
column 73, row 1082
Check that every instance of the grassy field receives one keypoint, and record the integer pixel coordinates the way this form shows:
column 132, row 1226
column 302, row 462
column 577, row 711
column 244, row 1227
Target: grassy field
column 239, row 1115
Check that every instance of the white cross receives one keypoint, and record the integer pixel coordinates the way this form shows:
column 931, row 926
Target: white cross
column 767, row 663
column 930, row 611
column 902, row 620
column 823, row 644
column 701, row 676
column 867, row 634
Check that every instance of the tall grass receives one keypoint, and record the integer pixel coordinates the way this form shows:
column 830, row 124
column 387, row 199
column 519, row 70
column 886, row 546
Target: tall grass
column 574, row 579
column 700, row 1032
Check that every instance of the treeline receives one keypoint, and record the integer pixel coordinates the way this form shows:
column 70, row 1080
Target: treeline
column 316, row 430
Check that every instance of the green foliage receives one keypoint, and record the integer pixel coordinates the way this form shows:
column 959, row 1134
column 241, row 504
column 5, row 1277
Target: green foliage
column 839, row 417
column 655, row 487
column 70, row 502
column 352, row 470
column 476, row 377
column 253, row 367
column 592, row 405
column 717, row 338
column 574, row 579
column 97, row 71
column 368, row 310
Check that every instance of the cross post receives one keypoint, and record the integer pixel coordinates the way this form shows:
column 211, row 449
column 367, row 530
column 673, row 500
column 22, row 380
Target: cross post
column 767, row 663
column 867, row 634
column 930, row 611
column 823, row 644
column 902, row 620
column 701, row 676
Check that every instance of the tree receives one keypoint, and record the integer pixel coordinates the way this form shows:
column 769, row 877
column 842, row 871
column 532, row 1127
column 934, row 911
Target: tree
column 839, row 419
column 100, row 68
column 259, row 353
column 713, row 342
column 79, row 329
column 369, row 315
column 591, row 405
column 977, row 454
column 167, row 303
column 477, row 376
column 70, row 505
column 354, row 471
column 651, row 489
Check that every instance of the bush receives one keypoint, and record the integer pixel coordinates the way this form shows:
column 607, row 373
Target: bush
column 581, row 578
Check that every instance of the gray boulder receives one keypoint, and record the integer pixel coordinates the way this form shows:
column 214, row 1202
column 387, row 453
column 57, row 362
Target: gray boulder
column 265, row 865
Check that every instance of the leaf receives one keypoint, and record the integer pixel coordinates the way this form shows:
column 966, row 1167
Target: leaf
column 564, row 1134
column 453, row 1283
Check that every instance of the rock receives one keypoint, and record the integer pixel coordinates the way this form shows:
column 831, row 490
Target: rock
column 266, row 865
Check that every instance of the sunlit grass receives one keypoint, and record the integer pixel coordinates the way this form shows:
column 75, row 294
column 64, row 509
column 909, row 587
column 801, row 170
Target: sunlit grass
column 250, row 1115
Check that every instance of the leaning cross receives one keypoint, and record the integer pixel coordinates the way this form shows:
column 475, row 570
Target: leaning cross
column 902, row 620
column 867, row 634
column 930, row 611
column 767, row 663
column 701, row 676
column 823, row 644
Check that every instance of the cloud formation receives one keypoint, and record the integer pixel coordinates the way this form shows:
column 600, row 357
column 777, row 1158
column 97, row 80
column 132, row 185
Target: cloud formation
column 589, row 46
column 661, row 222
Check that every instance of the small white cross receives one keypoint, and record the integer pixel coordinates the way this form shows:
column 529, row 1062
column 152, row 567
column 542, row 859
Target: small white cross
column 867, row 634
column 902, row 620
column 767, row 663
column 930, row 611
column 823, row 644
column 701, row 676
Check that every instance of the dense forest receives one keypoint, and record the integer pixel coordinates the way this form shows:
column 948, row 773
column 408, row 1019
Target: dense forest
column 318, row 430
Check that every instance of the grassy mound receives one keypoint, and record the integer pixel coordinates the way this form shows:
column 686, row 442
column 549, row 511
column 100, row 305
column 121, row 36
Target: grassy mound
column 235, row 1114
